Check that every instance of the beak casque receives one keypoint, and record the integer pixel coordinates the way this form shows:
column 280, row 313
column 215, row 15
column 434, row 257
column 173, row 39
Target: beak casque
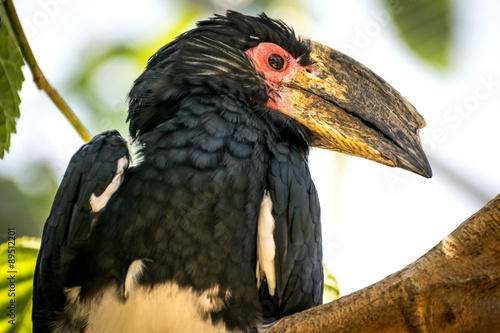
column 350, row 109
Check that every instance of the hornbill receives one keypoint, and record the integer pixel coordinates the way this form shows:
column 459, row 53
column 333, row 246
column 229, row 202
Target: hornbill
column 217, row 227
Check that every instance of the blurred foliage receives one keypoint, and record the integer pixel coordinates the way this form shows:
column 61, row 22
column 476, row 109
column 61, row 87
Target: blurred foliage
column 11, row 80
column 331, row 289
column 16, row 283
column 426, row 27
column 108, row 70
column 27, row 205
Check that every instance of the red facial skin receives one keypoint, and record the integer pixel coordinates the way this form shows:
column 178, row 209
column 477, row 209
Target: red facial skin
column 276, row 77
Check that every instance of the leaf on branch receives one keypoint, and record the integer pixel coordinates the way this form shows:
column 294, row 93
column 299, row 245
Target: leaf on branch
column 16, row 282
column 11, row 79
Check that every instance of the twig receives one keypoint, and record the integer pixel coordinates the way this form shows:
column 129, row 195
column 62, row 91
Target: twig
column 38, row 76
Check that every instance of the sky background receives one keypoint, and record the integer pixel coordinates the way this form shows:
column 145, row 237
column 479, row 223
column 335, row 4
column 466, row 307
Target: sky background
column 376, row 219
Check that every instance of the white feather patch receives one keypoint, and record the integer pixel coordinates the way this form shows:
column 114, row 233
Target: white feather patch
column 164, row 308
column 133, row 274
column 265, row 245
column 98, row 202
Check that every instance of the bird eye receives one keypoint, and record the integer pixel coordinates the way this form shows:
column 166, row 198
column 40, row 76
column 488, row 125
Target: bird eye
column 276, row 61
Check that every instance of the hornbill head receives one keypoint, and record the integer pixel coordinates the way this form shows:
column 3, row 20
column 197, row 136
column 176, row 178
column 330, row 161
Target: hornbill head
column 315, row 94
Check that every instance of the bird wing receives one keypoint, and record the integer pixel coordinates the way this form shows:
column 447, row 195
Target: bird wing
column 93, row 175
column 297, row 234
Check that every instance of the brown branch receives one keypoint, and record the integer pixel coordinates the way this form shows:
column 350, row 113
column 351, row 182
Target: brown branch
column 455, row 287
column 38, row 76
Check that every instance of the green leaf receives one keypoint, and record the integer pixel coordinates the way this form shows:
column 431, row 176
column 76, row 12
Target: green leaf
column 425, row 25
column 17, row 266
column 11, row 79
column 331, row 289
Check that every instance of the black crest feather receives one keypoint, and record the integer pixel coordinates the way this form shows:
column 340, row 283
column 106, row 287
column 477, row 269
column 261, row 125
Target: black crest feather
column 208, row 59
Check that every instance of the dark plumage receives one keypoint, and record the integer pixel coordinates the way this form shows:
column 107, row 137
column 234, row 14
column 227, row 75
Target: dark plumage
column 212, row 149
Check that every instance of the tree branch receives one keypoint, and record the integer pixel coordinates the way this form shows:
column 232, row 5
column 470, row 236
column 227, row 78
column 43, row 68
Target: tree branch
column 455, row 287
column 38, row 76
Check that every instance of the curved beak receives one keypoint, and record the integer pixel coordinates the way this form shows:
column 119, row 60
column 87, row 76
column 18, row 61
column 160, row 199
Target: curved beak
column 350, row 109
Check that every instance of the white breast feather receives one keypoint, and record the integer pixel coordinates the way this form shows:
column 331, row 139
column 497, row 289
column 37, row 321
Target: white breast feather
column 265, row 245
column 164, row 308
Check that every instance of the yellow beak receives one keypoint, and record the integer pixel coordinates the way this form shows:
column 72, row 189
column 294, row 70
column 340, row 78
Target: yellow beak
column 350, row 109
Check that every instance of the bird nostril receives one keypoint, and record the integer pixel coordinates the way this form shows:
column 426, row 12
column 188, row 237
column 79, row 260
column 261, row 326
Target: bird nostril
column 311, row 70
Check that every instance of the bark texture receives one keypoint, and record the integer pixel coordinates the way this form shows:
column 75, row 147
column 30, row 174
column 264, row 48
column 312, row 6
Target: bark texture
column 455, row 287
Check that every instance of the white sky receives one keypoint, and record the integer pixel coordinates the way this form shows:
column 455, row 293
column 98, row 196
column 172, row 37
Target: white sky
column 376, row 220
